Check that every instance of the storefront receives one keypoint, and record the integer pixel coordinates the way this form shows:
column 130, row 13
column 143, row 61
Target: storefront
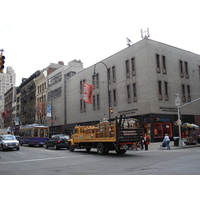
column 156, row 126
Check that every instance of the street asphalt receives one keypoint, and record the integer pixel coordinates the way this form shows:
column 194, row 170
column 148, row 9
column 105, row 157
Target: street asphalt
column 157, row 146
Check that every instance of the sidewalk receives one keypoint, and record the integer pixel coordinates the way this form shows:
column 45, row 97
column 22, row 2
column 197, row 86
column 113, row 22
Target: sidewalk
column 156, row 146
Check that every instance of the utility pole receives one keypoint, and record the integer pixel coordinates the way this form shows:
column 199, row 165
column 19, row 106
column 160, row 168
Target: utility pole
column 178, row 104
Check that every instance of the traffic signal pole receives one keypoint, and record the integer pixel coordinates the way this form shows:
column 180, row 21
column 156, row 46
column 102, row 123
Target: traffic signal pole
column 2, row 58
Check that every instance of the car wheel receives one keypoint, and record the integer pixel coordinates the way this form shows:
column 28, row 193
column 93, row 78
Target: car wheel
column 55, row 147
column 46, row 146
column 17, row 148
column 2, row 148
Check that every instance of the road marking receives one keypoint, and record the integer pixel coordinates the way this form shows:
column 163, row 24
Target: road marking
column 38, row 159
column 20, row 152
column 39, row 149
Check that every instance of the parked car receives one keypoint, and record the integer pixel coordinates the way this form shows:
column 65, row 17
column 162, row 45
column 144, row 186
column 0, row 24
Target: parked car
column 57, row 142
column 8, row 142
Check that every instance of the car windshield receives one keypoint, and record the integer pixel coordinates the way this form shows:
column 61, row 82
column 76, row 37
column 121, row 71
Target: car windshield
column 64, row 137
column 8, row 137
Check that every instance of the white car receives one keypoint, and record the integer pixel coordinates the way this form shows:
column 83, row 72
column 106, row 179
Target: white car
column 8, row 142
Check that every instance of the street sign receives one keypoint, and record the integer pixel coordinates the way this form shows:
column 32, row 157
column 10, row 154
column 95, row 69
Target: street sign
column 179, row 122
column 177, row 101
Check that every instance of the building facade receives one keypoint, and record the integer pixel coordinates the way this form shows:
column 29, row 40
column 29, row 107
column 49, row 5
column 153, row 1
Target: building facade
column 41, row 93
column 28, row 100
column 57, row 95
column 143, row 80
column 7, row 80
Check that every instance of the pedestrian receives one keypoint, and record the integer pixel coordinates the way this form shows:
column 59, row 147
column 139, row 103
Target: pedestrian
column 146, row 141
column 166, row 140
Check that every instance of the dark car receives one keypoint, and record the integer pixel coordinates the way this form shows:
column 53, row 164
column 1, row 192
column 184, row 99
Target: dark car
column 57, row 142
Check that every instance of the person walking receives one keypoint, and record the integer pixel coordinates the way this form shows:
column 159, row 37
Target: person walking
column 146, row 141
column 167, row 141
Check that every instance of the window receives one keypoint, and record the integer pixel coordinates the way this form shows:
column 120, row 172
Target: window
column 188, row 92
column 186, row 70
column 160, row 129
column 35, row 133
column 181, row 68
column 128, row 94
column 81, row 106
column 164, row 65
column 113, row 74
column 55, row 93
column 114, row 97
column 84, row 106
column 157, row 63
column 134, row 93
column 55, row 79
column 133, row 66
column 97, row 80
column 183, row 93
column 93, row 81
column 94, row 103
column 110, row 100
column 81, row 87
column 42, row 133
column 127, row 69
column 199, row 72
column 109, row 81
column 166, row 91
column 55, row 138
column 98, row 102
column 159, row 90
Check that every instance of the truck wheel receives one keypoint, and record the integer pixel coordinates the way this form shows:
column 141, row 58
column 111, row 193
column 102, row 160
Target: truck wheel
column 121, row 151
column 100, row 148
column 71, row 148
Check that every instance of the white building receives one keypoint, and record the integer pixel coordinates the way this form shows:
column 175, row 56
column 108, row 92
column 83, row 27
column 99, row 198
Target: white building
column 143, row 81
column 56, row 92
column 7, row 80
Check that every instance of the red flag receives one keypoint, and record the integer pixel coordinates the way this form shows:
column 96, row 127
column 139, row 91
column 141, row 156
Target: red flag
column 41, row 106
column 88, row 93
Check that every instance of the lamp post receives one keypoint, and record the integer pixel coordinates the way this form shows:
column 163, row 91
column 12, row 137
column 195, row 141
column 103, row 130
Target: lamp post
column 177, row 103
column 51, row 110
column 107, row 86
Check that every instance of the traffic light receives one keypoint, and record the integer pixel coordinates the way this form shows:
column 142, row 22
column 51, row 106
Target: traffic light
column 2, row 58
column 111, row 110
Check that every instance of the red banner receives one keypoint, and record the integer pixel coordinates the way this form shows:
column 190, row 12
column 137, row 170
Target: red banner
column 88, row 93
column 41, row 108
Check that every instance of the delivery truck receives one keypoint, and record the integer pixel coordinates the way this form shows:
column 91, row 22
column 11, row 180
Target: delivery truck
column 106, row 136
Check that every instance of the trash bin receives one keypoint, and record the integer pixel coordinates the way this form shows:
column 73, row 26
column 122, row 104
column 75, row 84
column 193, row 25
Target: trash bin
column 176, row 141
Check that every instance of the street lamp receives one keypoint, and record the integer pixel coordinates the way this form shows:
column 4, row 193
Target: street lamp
column 107, row 85
column 177, row 103
column 51, row 110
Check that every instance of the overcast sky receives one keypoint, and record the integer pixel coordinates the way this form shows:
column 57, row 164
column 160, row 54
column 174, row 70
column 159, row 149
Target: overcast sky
column 35, row 33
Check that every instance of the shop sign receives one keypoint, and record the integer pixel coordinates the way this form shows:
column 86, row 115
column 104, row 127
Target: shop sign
column 168, row 109
column 128, row 111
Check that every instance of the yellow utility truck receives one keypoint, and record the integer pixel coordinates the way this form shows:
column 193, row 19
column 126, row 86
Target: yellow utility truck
column 106, row 136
